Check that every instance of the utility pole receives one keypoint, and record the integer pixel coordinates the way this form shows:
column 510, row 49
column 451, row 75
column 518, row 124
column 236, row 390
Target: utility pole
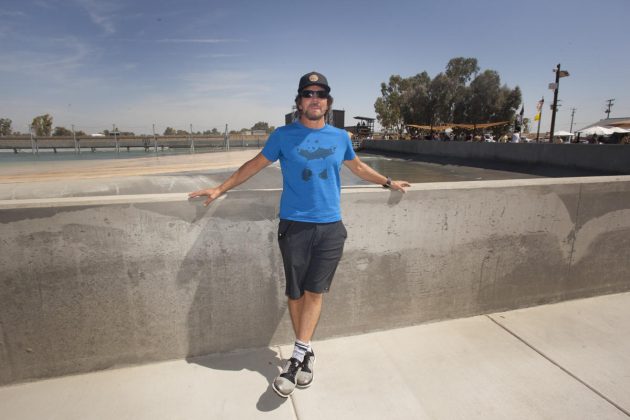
column 33, row 144
column 559, row 74
column 154, row 139
column 539, row 115
column 611, row 102
column 116, row 138
column 192, row 140
column 572, row 114
column 74, row 137
column 226, row 138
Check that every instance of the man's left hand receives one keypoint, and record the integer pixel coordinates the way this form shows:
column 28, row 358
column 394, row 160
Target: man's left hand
column 399, row 186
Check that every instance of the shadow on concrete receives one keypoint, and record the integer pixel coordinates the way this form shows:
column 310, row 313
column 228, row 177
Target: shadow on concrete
column 265, row 361
column 233, row 274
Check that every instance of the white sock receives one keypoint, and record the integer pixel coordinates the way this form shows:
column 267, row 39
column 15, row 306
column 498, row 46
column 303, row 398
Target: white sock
column 299, row 350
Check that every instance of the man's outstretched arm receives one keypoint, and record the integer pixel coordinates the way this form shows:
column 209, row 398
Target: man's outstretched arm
column 363, row 171
column 242, row 174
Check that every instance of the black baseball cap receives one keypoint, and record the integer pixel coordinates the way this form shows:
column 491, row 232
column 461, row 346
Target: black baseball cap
column 313, row 78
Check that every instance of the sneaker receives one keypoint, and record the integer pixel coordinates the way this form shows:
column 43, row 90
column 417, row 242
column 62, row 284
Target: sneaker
column 305, row 376
column 284, row 385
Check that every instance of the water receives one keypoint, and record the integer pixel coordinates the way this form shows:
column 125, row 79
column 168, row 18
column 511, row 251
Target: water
column 48, row 155
column 65, row 174
column 434, row 169
column 416, row 171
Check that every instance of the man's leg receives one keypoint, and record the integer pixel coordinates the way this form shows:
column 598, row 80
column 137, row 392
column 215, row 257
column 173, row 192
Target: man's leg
column 311, row 308
column 323, row 246
column 307, row 313
column 295, row 310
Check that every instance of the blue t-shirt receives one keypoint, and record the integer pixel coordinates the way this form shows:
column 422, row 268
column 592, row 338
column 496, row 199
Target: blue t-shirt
column 311, row 165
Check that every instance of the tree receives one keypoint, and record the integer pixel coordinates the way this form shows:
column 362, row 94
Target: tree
column 460, row 94
column 261, row 125
column 5, row 126
column 169, row 131
column 62, row 131
column 415, row 104
column 42, row 124
column 461, row 69
column 388, row 106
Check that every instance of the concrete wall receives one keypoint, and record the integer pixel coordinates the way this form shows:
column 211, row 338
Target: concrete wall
column 608, row 158
column 95, row 282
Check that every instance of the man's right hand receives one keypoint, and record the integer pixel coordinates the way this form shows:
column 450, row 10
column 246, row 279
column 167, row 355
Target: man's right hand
column 247, row 170
column 211, row 193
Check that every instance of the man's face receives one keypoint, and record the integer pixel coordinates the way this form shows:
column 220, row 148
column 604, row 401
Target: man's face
column 314, row 108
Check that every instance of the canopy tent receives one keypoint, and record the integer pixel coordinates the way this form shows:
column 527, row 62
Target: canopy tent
column 596, row 131
column 563, row 134
column 477, row 126
column 430, row 127
column 622, row 124
column 443, row 127
column 618, row 130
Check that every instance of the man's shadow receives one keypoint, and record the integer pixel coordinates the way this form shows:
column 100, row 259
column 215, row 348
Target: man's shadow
column 264, row 361
column 233, row 271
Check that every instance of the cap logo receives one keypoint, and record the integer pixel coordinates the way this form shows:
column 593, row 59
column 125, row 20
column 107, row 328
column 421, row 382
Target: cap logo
column 313, row 78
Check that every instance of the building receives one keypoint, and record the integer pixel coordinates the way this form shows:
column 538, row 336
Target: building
column 335, row 118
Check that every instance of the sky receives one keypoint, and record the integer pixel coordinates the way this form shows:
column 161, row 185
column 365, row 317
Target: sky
column 94, row 63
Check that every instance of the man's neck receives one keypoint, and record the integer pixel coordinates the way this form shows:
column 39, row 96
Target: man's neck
column 315, row 125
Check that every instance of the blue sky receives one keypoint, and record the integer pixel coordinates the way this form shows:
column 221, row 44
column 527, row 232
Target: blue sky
column 209, row 63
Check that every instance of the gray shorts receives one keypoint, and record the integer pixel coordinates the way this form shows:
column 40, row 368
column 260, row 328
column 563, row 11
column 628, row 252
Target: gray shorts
column 310, row 252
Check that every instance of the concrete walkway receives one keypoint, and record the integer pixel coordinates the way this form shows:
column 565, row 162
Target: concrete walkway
column 565, row 361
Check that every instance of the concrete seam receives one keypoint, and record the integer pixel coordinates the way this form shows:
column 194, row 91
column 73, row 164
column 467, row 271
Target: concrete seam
column 549, row 359
column 4, row 348
column 293, row 407
column 575, row 230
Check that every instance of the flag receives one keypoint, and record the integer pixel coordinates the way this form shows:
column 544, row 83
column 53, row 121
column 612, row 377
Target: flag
column 539, row 105
column 537, row 117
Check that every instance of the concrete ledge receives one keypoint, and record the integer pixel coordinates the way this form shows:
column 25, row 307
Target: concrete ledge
column 607, row 158
column 90, row 283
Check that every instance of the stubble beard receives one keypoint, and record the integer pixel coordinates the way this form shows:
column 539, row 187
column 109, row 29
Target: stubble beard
column 314, row 115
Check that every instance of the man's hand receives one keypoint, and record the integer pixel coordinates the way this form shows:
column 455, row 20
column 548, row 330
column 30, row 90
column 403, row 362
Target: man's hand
column 242, row 174
column 399, row 185
column 211, row 193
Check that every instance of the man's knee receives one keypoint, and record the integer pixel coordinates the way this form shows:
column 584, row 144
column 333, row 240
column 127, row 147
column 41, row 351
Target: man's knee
column 312, row 296
column 295, row 301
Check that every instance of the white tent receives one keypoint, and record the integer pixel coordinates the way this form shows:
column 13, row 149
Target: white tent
column 597, row 131
column 562, row 133
column 618, row 130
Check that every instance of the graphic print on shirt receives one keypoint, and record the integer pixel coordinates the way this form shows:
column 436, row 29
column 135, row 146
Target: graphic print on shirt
column 315, row 156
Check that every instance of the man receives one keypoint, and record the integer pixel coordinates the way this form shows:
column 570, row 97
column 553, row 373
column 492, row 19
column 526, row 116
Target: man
column 310, row 233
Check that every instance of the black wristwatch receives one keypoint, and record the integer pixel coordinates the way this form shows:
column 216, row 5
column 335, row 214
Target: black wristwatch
column 388, row 183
